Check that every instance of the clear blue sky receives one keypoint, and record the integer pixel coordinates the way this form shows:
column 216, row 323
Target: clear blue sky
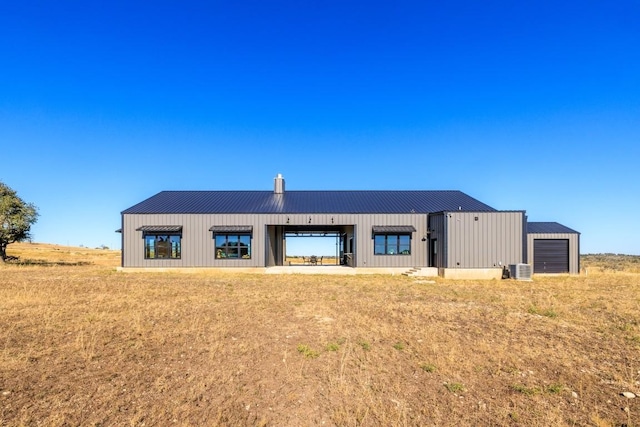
column 522, row 105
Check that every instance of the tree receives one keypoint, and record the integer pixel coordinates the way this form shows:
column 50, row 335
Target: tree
column 16, row 218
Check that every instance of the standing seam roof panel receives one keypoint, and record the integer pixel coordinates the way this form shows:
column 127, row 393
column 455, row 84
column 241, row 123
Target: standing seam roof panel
column 548, row 228
column 204, row 202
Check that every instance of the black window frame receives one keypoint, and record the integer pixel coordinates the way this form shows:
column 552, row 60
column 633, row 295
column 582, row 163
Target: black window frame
column 166, row 238
column 220, row 254
column 399, row 248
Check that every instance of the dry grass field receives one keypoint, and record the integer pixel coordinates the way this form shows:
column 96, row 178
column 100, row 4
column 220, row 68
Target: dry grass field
column 82, row 344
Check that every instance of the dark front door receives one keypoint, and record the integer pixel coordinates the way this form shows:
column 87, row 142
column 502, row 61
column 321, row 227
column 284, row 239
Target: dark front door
column 433, row 253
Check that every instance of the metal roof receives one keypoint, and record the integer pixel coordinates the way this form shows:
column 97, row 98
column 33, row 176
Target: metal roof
column 548, row 228
column 160, row 228
column 292, row 202
column 231, row 228
column 393, row 228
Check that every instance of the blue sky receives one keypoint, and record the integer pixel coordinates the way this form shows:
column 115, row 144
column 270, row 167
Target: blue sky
column 525, row 106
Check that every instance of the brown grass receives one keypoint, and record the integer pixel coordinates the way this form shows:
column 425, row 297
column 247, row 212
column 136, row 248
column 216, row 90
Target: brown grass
column 81, row 344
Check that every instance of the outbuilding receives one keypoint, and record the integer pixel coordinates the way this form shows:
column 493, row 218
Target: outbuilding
column 553, row 248
column 440, row 232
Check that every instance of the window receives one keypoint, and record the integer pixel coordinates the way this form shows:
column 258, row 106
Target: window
column 233, row 246
column 161, row 246
column 232, row 242
column 162, row 241
column 392, row 244
column 392, row 240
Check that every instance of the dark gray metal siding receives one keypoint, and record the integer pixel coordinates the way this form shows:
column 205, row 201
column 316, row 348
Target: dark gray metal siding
column 551, row 255
column 197, row 240
column 484, row 239
column 553, row 231
column 364, row 241
column 574, row 248
column 198, row 245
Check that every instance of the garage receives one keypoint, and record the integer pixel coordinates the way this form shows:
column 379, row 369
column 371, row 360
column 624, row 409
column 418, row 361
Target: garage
column 553, row 248
column 551, row 256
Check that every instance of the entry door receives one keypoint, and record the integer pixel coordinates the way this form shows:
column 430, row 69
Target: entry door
column 551, row 256
column 433, row 253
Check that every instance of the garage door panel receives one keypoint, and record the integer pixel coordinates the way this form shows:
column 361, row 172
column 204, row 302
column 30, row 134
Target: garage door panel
column 551, row 256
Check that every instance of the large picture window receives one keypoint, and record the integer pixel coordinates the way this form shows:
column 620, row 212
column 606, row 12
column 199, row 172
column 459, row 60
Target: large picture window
column 162, row 246
column 162, row 242
column 392, row 244
column 392, row 240
column 232, row 242
column 233, row 246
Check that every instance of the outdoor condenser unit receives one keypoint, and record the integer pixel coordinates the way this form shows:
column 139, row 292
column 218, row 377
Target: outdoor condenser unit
column 520, row 271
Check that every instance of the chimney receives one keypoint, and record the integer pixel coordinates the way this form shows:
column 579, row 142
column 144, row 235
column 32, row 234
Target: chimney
column 278, row 187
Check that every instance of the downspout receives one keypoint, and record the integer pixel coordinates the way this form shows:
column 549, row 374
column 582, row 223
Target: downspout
column 525, row 244
column 445, row 240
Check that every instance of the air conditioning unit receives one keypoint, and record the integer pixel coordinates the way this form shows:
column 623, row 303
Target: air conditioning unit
column 520, row 271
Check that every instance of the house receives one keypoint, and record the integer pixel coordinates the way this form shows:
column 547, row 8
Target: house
column 448, row 232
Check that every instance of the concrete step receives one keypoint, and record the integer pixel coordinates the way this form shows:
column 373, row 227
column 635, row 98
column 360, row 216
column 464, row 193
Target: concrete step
column 410, row 272
column 421, row 272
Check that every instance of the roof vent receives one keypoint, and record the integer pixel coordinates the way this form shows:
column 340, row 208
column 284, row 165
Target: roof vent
column 278, row 185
